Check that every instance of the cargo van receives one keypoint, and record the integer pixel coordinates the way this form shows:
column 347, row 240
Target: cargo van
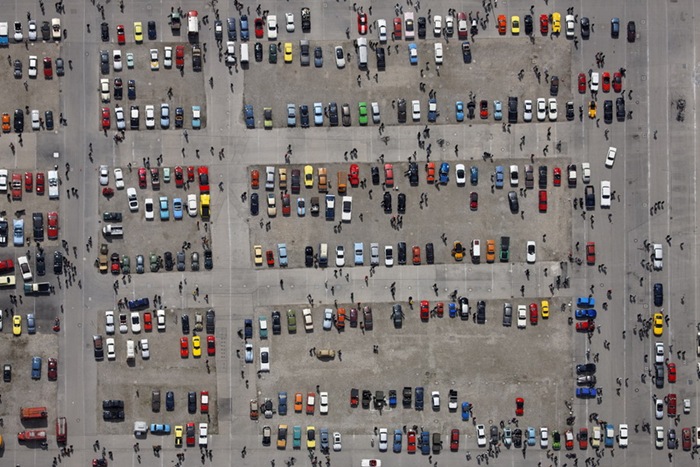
column 476, row 251
column 362, row 52
column 342, row 182
column 130, row 351
column 61, row 430
column 323, row 255
column 53, row 184
column 244, row 53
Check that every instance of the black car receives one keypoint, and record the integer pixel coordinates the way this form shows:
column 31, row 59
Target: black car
column 60, row 67
column 254, row 204
column 528, row 24
column 318, row 57
column 134, row 117
column 192, row 402
column 168, row 258
column 480, row 312
column 620, row 109
column 104, row 29
column 466, row 52
column 152, row 30
column 211, row 321
column 463, row 308
column 3, row 232
column 397, row 316
column 471, row 106
column 402, row 252
column 333, row 113
column 554, row 86
column 419, row 398
column 513, row 202
column 512, row 109
column 131, row 90
column 218, row 27
column 179, row 117
column 276, row 323
column 607, row 111
column 658, row 294
column 48, row 120
column 118, row 89
column 659, row 373
column 381, row 59
column 112, row 216
column 19, row 121
column 304, row 115
column 104, row 62
column 46, row 31
column 7, row 372
column 585, row 369
column 309, row 256
column 421, row 27
column 40, row 263
column 585, row 28
column 401, row 106
column 386, row 202
column 169, row 401
column 57, row 262
column 429, row 253
column 631, row 31
column 208, row 260
column 493, row 433
column 589, row 195
column 185, row 324
column 615, row 28
column 517, row 438
column 18, row 69
column 375, row 175
column 401, row 203
column 542, row 172
column 258, row 49
column 569, row 111
column 412, row 173
column 38, row 226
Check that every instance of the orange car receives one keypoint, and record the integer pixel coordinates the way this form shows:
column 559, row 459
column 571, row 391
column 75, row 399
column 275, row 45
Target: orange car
column 298, row 402
column 254, row 179
column 6, row 123
column 502, row 26
column 340, row 319
column 416, row 255
column 430, row 172
column 490, row 251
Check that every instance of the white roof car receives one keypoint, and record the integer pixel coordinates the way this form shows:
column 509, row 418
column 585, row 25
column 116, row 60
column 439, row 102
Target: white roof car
column 569, row 26
column 480, row 436
column 339, row 56
column 135, row 322
column 111, row 349
column 109, row 322
column 104, row 175
column 659, row 441
column 375, row 112
column 19, row 37
column 31, row 30
column 552, row 108
column 340, row 256
column 24, row 268
column 409, row 26
column 531, row 251
column 148, row 208
column 624, row 435
column 544, row 437
column 3, row 180
column 438, row 53
column 150, row 117
column 323, row 402
column 119, row 116
column 264, row 359
column 437, row 25
column 290, row 21
column 347, row 209
column 659, row 354
column 541, row 109
column 595, row 81
column 153, row 53
column 522, row 317
column 513, row 175
column 381, row 30
column 449, row 24
column 32, row 66
column 160, row 319
column 415, row 110
column 145, row 350
column 203, row 430
column 272, row 27
column 527, row 112
column 337, row 441
column 586, row 172
column 460, row 174
column 117, row 58
column 104, row 90
column 123, row 325
column 192, row 205
column 383, row 439
column 659, row 408
column 658, row 256
column 327, row 319
column 119, row 178
column 605, row 194
column 435, row 400
column 133, row 199
column 388, row 256
column 36, row 125
column 56, row 28
column 610, row 158
column 168, row 57
column 308, row 320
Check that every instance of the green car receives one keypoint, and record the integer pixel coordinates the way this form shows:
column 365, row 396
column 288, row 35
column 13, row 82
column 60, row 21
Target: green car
column 267, row 112
column 155, row 265
column 291, row 321
column 296, row 442
column 556, row 440
column 263, row 327
column 363, row 113
column 272, row 54
column 126, row 265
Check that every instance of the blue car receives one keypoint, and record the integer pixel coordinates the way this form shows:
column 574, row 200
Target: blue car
column 397, row 440
column 164, row 209
column 359, row 254
column 169, row 401
column 413, row 53
column 459, row 111
column 419, row 398
column 138, row 304
column 466, row 406
column 245, row 34
column 36, row 367
column 497, row 110
column 196, row 117
column 609, row 435
column 432, row 110
column 452, row 307
column 474, row 175
column 425, row 443
column 531, row 436
column 499, row 176
column 282, row 403
column 291, row 115
column 249, row 117
column 586, row 393
column 585, row 314
column 177, row 208
column 160, row 429
column 585, row 302
column 18, row 232
column 444, row 173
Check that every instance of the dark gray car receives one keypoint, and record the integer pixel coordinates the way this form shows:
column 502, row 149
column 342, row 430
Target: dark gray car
column 397, row 316
column 401, row 105
column 180, row 260
column 211, row 321
column 104, row 62
column 513, row 202
column 507, row 314
column 18, row 69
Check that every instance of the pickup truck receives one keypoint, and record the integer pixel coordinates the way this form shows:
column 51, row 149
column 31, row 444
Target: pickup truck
column 305, row 20
column 452, row 401
column 585, row 302
column 37, row 288
column 113, row 230
column 330, row 207
column 104, row 250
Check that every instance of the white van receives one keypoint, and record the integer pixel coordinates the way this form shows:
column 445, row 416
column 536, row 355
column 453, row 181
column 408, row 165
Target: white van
column 476, row 251
column 323, row 255
column 53, row 184
column 362, row 52
column 244, row 53
column 130, row 351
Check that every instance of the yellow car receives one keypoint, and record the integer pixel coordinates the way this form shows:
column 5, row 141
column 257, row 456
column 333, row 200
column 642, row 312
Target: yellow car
column 545, row 309
column 204, row 211
column 178, row 436
column 267, row 113
column 556, row 22
column 310, row 437
column 17, row 325
column 458, row 251
column 287, row 52
column 257, row 253
column 308, row 176
column 196, row 346
column 591, row 109
column 515, row 24
column 282, row 436
column 138, row 32
column 658, row 324
column 490, row 251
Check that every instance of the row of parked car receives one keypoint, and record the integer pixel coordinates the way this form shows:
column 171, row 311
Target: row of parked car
column 32, row 67
column 37, row 122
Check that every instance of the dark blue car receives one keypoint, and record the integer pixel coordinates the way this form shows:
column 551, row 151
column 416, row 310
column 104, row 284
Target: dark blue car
column 245, row 35
column 419, row 398
column 586, row 393
column 425, row 443
column 658, row 294
column 474, row 175
column 249, row 117
column 586, row 314
column 282, row 403
column 138, row 304
column 444, row 173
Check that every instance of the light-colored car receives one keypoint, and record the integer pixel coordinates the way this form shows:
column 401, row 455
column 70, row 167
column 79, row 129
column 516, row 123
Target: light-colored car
column 610, row 158
column 339, row 56
column 388, row 256
column 337, row 442
column 605, row 194
column 481, row 436
column 318, row 114
column 595, row 81
column 658, row 256
column 376, row 117
column 527, row 110
column 544, row 437
column 3, row 180
column 160, row 320
column 192, row 205
column 272, row 27
column 659, row 352
column 438, row 53
column 119, row 178
column 586, row 172
column 624, row 435
column 383, row 439
column 659, row 439
column 109, row 322
column 148, row 209
column 522, row 316
column 435, row 400
column 346, row 215
column 168, row 57
column 36, row 124
column 541, row 109
column 119, row 117
column 111, row 349
column 570, row 26
column 135, row 322
column 130, row 60
column 460, row 174
column 659, row 408
column 289, row 18
column 104, row 90
column 203, row 434
column 513, row 175
column 153, row 53
column 31, row 30
column 264, row 359
column 32, row 70
column 437, row 25
column 150, row 117
column 327, row 319
column 340, row 256
column 323, row 403
column 308, row 320
column 133, row 199
column 381, row 30
column 145, row 350
column 415, row 110
column 552, row 109
column 104, row 175
column 531, row 252
column 23, row 263
column 117, row 59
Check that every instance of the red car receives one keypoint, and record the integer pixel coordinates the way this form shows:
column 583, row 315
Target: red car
column 189, row 434
column 52, row 222
column 106, row 123
column 501, row 24
column 143, row 183
column 180, row 56
column 543, row 200
column 671, row 372
column 519, row 406
column 581, row 83
column 310, row 403
column 556, row 176
column 53, row 369
column 121, row 37
column 582, row 438
column 147, row 321
column 454, row 440
column 16, row 187
column 204, row 401
column 424, row 311
column 255, row 178
column 484, row 109
column 258, row 27
column 28, row 182
column 184, row 347
column 569, row 440
column 211, row 346
column 671, row 405
column 411, row 442
column 115, row 267
column 48, row 68
column 397, row 28
column 286, row 205
column 590, row 253
column 617, row 81
column 544, row 24
column 585, row 326
column 606, row 82
column 40, row 183
column 362, row 23
column 533, row 314
column 354, row 175
column 179, row 177
column 473, row 200
column 389, row 175
column 203, row 173
column 7, row 266
column 190, row 173
column 270, row 258
column 685, row 438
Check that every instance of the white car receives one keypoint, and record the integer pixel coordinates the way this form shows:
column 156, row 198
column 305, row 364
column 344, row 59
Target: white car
column 3, row 180
column 659, row 353
column 569, row 26
column 119, row 117
column 272, row 27
column 148, row 208
column 337, row 441
column 460, row 174
column 290, row 21
column 595, row 81
column 340, row 256
column 327, row 319
column 145, row 351
column 192, row 205
column 527, row 112
column 381, row 30
column 481, row 436
column 24, row 268
column 117, row 58
column 659, row 406
column 109, row 322
column 130, row 60
column 31, row 30
column 248, row 357
column 544, row 437
column 135, row 322
column 150, row 117
column 435, row 400
column 586, row 172
column 437, row 25
column 438, row 53
column 154, row 59
column 36, row 124
column 123, row 326
column 605, row 194
column 346, row 216
column 308, row 320
column 513, row 175
column 111, row 349
column 119, row 178
column 323, row 403
column 388, row 256
column 168, row 57
column 531, row 253
column 541, row 109
column 522, row 316
column 376, row 118
column 104, row 175
column 552, row 109
column 104, row 90
column 133, row 199
column 264, row 359
column 160, row 320
column 203, row 437
column 415, row 110
column 624, row 435
column 659, row 441
column 449, row 24
column 610, row 158
column 383, row 439
column 339, row 56
column 658, row 256
column 32, row 66
column 19, row 37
